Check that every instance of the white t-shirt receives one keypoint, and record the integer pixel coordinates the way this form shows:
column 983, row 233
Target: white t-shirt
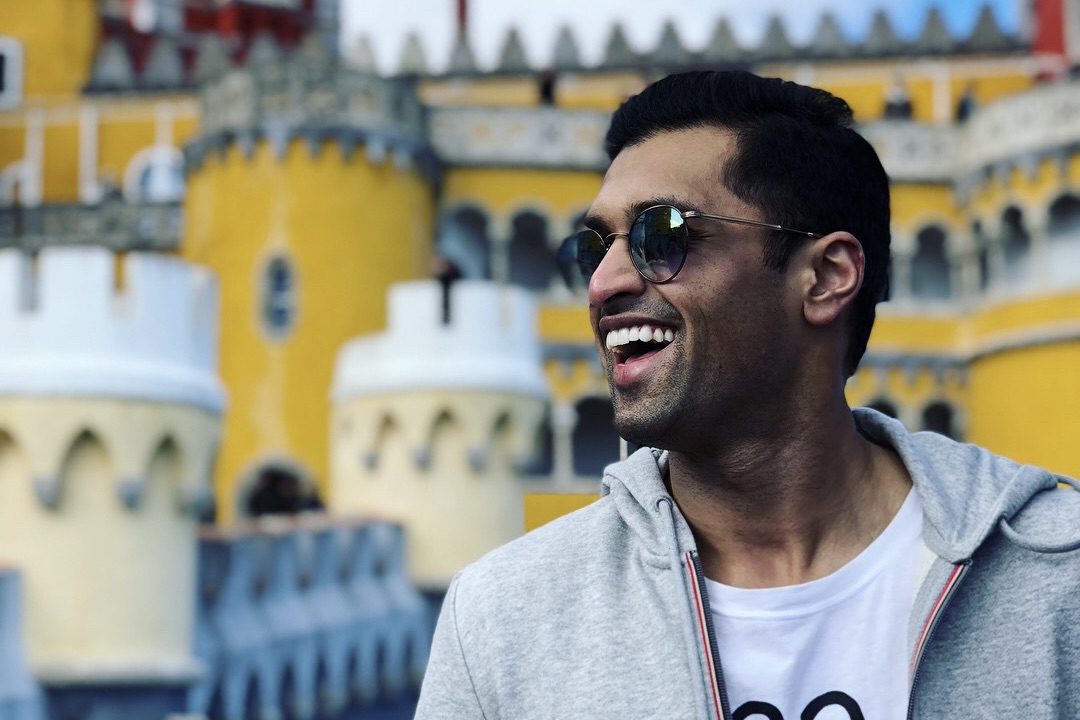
column 831, row 649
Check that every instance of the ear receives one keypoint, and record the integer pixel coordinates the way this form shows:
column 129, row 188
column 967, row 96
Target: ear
column 837, row 265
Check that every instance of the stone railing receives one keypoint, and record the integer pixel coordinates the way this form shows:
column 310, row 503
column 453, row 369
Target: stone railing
column 20, row 694
column 541, row 137
column 308, row 619
column 913, row 151
column 114, row 224
column 1042, row 121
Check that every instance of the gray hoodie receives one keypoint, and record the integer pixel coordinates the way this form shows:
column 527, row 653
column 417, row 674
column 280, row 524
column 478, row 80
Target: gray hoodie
column 603, row 614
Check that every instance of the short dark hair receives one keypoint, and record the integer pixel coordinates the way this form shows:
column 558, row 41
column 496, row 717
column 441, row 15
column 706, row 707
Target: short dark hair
column 797, row 159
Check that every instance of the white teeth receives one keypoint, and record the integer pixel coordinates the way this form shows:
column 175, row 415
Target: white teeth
column 637, row 333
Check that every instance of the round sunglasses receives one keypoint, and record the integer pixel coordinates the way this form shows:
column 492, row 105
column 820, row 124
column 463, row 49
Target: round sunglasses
column 657, row 240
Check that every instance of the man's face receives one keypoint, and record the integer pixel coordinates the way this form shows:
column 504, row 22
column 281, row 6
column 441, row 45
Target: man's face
column 729, row 318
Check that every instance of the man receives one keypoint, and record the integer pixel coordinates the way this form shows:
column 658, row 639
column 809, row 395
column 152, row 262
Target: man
column 776, row 555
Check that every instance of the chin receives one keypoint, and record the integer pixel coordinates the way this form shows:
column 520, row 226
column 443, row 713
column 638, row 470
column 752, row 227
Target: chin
column 641, row 431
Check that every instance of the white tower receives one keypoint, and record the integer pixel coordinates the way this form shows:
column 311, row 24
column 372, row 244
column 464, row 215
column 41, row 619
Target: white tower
column 433, row 418
column 109, row 420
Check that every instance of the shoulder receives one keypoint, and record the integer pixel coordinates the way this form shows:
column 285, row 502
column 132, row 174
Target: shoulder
column 1050, row 521
column 544, row 559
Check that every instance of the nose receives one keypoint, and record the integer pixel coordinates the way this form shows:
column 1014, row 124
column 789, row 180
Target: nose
column 615, row 275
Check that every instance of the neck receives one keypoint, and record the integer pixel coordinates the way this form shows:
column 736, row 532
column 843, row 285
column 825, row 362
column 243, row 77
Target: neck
column 790, row 508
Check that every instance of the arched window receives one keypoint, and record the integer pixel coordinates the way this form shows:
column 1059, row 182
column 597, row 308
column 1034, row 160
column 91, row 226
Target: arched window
column 155, row 175
column 930, row 265
column 566, row 259
column 883, row 406
column 463, row 239
column 982, row 254
column 277, row 488
column 595, row 442
column 532, row 264
column 1015, row 245
column 1063, row 240
column 938, row 417
column 542, row 460
column 11, row 73
column 278, row 301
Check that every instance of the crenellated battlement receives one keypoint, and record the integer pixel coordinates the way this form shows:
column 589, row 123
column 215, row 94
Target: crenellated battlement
column 274, row 98
column 75, row 322
column 489, row 343
column 880, row 40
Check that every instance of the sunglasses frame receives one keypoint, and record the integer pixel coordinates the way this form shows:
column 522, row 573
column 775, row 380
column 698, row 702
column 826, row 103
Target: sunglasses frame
column 608, row 240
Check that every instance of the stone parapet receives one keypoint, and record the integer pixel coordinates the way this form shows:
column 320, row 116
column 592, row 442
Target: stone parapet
column 114, row 224
column 315, row 100
column 76, row 323
column 518, row 137
column 312, row 618
column 488, row 343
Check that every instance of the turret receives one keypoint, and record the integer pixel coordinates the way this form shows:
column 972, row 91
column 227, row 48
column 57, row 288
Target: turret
column 311, row 190
column 109, row 420
column 434, row 417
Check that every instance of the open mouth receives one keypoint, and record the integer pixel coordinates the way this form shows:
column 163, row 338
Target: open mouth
column 637, row 341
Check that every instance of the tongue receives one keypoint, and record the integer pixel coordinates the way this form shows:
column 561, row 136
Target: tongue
column 639, row 351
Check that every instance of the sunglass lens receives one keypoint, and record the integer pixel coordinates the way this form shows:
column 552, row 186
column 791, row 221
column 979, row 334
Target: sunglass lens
column 590, row 251
column 658, row 243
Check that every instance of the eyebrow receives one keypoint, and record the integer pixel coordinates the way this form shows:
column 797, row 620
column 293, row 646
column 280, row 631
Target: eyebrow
column 600, row 225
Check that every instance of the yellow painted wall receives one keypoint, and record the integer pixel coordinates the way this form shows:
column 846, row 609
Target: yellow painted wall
column 119, row 140
column 12, row 142
column 565, row 323
column 59, row 39
column 1025, row 404
column 915, row 334
column 562, row 193
column 1025, row 381
column 61, row 165
column 915, row 205
column 350, row 230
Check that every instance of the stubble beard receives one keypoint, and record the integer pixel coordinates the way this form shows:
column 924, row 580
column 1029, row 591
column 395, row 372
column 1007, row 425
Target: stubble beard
column 649, row 419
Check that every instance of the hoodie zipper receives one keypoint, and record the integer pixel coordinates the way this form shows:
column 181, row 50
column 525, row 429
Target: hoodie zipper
column 946, row 594
column 703, row 613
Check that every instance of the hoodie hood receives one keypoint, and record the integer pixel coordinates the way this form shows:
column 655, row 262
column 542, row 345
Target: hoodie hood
column 636, row 486
column 966, row 493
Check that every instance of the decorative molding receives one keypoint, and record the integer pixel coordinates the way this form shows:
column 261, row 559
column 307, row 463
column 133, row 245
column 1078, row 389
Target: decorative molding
column 537, row 137
column 154, row 340
column 114, row 224
column 47, row 490
column 312, row 99
column 914, row 152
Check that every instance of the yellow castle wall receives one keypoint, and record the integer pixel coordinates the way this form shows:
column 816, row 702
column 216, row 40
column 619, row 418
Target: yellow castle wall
column 1025, row 380
column 916, row 205
column 59, row 38
column 501, row 192
column 123, row 128
column 12, row 140
column 60, row 174
column 350, row 230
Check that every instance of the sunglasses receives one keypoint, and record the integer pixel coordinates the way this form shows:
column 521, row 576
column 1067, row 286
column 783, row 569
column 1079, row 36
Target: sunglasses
column 657, row 240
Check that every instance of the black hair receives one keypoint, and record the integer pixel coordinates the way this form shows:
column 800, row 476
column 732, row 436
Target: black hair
column 797, row 159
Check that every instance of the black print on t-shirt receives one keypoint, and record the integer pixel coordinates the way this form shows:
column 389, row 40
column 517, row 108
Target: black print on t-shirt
column 834, row 698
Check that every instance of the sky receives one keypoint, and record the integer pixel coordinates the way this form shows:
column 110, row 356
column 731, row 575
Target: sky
column 538, row 22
